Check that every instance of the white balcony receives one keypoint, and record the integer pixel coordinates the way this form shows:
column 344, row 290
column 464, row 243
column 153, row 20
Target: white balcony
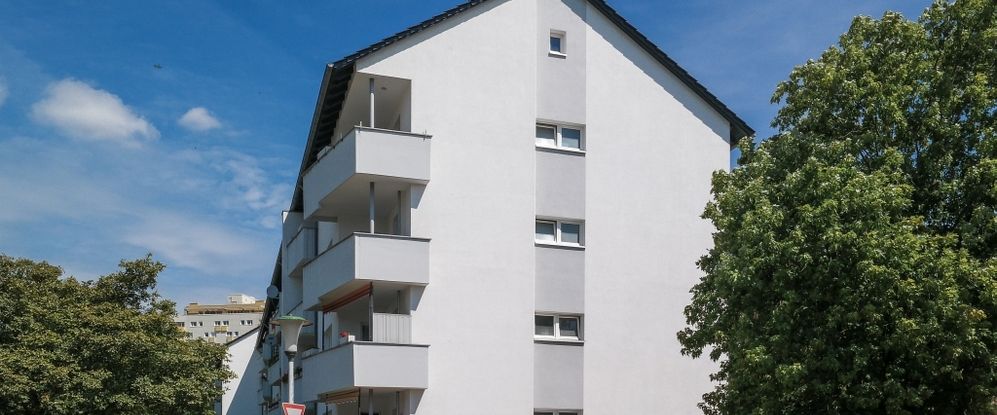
column 300, row 249
column 363, row 258
column 364, row 365
column 275, row 371
column 338, row 182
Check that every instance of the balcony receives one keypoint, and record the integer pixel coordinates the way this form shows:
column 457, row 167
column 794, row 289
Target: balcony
column 363, row 258
column 274, row 372
column 364, row 365
column 338, row 182
column 300, row 249
column 221, row 329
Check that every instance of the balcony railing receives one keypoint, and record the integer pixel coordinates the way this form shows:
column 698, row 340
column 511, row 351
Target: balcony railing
column 392, row 328
column 362, row 155
column 300, row 249
column 362, row 258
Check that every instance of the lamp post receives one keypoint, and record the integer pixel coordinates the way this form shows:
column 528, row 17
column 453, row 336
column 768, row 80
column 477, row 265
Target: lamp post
column 290, row 327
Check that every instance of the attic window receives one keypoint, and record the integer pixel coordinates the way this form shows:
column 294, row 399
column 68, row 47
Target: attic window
column 557, row 43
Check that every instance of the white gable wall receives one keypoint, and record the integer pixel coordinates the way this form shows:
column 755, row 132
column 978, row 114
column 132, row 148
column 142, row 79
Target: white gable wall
column 653, row 146
column 240, row 395
column 479, row 82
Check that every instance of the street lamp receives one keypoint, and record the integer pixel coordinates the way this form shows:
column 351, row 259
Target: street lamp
column 290, row 327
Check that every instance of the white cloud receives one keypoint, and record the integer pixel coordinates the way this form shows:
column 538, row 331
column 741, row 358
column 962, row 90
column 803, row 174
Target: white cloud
column 199, row 119
column 201, row 211
column 3, row 91
column 81, row 111
column 209, row 247
column 253, row 186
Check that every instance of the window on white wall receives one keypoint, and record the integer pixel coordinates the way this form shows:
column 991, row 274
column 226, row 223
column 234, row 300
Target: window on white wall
column 556, row 413
column 546, row 135
column 546, row 231
column 558, row 232
column 557, row 327
column 558, row 44
column 559, row 136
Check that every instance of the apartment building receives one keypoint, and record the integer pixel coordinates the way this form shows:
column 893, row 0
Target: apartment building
column 498, row 212
column 221, row 323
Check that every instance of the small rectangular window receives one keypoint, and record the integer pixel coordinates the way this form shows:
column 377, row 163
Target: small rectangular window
column 557, row 43
column 571, row 138
column 543, row 326
column 571, row 233
column 557, row 327
column 546, row 231
column 567, row 327
column 558, row 232
column 546, row 135
column 557, row 136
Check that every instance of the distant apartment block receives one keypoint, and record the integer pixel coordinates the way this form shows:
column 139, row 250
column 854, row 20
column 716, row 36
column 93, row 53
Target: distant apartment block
column 221, row 323
column 498, row 212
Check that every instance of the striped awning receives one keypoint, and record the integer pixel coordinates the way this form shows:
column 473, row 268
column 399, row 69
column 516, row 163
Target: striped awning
column 340, row 398
column 349, row 298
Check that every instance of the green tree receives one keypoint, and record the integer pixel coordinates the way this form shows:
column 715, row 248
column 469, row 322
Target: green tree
column 854, row 267
column 102, row 346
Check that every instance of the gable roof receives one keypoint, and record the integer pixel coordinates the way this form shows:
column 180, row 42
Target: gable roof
column 338, row 74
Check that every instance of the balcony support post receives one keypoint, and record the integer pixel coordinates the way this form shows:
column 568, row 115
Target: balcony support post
column 399, row 216
column 372, row 125
column 370, row 207
column 370, row 312
column 370, row 401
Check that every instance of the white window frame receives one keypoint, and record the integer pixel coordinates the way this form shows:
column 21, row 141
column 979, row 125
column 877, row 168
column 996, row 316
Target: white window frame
column 557, row 412
column 558, row 139
column 557, row 328
column 557, row 232
column 562, row 36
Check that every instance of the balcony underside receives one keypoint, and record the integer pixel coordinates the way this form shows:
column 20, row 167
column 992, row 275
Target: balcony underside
column 338, row 183
column 363, row 259
column 364, row 365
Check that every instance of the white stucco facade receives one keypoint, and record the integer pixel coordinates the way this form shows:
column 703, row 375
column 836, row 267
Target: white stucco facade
column 450, row 317
column 240, row 395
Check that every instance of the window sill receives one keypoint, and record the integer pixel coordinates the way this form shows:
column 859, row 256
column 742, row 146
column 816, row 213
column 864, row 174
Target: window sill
column 557, row 245
column 564, row 342
column 563, row 150
column 556, row 54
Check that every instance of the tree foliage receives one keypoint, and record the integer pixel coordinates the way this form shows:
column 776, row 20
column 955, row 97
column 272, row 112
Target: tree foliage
column 105, row 346
column 854, row 267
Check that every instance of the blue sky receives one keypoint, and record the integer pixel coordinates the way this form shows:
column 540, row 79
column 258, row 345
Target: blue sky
column 177, row 127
